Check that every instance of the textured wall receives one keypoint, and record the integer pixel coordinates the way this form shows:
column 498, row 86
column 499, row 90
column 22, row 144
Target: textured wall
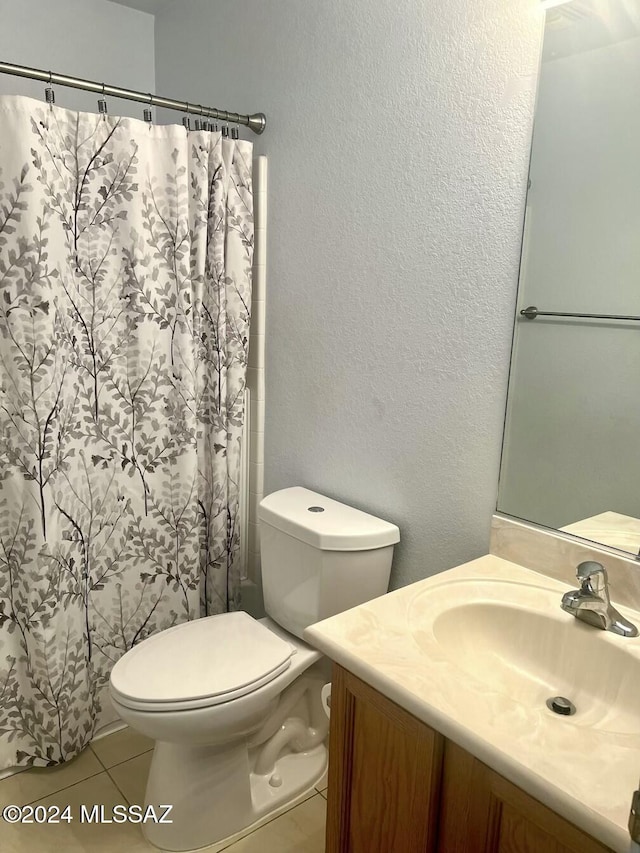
column 85, row 38
column 398, row 146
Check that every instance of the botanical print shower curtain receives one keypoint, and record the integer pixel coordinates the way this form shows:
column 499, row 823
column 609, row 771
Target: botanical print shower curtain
column 125, row 279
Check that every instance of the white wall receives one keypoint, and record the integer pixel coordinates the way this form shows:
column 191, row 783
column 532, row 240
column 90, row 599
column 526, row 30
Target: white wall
column 93, row 39
column 572, row 443
column 398, row 146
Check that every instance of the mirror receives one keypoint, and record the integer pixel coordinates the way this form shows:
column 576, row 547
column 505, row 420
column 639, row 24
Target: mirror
column 571, row 449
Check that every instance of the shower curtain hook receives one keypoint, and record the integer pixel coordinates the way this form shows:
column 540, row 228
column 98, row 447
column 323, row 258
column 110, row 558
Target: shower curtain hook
column 102, row 104
column 49, row 94
column 225, row 127
column 147, row 113
column 186, row 120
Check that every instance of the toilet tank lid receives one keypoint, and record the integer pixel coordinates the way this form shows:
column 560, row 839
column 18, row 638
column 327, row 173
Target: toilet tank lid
column 325, row 523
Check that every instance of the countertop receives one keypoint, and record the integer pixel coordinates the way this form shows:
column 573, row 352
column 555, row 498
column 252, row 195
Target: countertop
column 609, row 528
column 586, row 775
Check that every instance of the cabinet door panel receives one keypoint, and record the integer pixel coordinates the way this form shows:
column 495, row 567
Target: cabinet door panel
column 384, row 774
column 484, row 813
column 516, row 834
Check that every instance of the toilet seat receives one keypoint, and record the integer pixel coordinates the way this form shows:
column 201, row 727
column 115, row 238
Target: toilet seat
column 199, row 664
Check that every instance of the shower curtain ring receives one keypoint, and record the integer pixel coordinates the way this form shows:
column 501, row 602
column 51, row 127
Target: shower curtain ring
column 102, row 104
column 147, row 113
column 199, row 125
column 186, row 120
column 49, row 94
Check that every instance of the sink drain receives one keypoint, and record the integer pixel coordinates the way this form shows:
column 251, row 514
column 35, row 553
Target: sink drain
column 561, row 705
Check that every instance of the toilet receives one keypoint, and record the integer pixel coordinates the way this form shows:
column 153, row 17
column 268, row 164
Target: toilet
column 234, row 703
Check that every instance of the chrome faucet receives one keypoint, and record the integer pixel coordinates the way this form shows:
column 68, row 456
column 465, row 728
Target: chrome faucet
column 591, row 603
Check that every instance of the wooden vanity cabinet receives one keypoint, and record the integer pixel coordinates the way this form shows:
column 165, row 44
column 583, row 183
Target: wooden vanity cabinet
column 481, row 812
column 398, row 786
column 384, row 773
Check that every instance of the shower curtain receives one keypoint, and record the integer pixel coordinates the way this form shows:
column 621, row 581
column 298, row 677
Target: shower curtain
column 125, row 278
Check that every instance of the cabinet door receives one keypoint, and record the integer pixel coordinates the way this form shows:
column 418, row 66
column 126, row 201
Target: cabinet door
column 481, row 812
column 384, row 774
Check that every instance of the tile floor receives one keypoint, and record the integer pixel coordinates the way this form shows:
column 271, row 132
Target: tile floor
column 114, row 770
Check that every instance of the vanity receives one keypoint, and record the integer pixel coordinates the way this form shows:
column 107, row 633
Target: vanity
column 441, row 736
column 418, row 791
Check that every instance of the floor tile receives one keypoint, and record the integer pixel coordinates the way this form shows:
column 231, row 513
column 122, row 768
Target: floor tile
column 77, row 837
column 300, row 830
column 131, row 777
column 226, row 845
column 121, row 746
column 38, row 782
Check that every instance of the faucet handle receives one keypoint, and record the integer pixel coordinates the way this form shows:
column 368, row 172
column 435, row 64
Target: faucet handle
column 593, row 577
column 588, row 568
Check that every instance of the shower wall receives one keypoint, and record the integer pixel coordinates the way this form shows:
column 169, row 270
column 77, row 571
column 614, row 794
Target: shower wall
column 94, row 39
column 255, row 372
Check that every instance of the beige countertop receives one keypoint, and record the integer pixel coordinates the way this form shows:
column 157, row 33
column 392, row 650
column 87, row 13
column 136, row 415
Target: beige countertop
column 584, row 767
column 609, row 528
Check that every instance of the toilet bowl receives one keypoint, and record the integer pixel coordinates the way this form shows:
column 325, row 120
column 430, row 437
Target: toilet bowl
column 211, row 758
column 235, row 704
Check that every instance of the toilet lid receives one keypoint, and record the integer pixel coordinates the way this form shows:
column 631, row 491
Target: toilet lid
column 216, row 658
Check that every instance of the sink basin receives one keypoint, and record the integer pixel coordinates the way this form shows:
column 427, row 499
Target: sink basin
column 475, row 653
column 514, row 640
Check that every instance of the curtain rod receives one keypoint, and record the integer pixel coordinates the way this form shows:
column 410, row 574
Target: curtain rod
column 256, row 122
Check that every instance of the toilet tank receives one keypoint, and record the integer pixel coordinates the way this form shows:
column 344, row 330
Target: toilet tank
column 320, row 557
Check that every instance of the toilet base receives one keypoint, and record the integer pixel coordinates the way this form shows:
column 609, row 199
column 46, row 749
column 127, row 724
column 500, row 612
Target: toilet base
column 298, row 772
column 216, row 798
